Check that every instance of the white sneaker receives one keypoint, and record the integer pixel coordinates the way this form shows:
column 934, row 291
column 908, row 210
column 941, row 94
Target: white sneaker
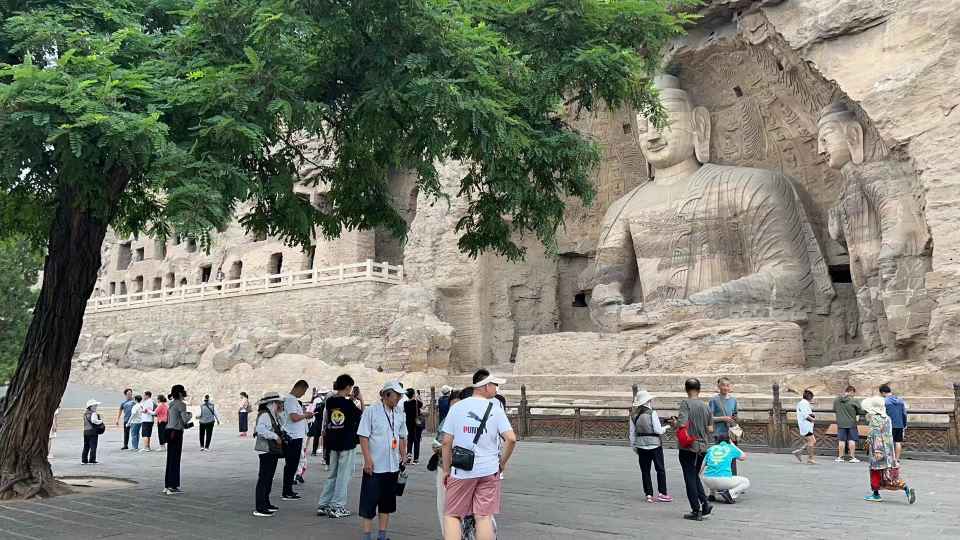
column 262, row 514
column 839, row 460
column 854, row 460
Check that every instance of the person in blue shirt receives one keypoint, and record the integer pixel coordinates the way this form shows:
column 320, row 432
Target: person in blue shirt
column 718, row 475
column 126, row 408
column 723, row 407
column 897, row 411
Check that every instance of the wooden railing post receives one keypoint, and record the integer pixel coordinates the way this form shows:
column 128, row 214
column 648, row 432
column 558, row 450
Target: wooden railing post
column 955, row 421
column 524, row 412
column 434, row 410
column 776, row 435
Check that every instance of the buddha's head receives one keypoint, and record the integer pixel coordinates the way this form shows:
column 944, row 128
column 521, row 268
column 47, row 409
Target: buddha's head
column 686, row 135
column 840, row 136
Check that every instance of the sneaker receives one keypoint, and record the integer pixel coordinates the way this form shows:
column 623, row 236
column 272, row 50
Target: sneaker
column 323, row 510
column 93, row 463
column 650, row 498
column 124, row 448
column 177, row 491
column 705, row 511
column 262, row 513
column 839, row 460
column 142, row 450
column 693, row 516
column 149, row 449
column 291, row 497
column 299, row 479
column 168, row 491
column 796, row 454
column 664, row 498
column 202, row 449
column 854, row 460
column 273, row 508
column 911, row 495
column 84, row 463
column 727, row 498
column 339, row 512
column 873, row 498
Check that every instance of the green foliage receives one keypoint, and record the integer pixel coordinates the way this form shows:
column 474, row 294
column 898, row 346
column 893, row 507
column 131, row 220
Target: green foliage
column 210, row 104
column 19, row 265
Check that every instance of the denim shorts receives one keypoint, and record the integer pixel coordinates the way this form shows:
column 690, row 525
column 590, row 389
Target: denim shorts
column 848, row 434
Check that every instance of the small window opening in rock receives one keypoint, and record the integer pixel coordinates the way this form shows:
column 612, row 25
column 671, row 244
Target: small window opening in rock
column 160, row 250
column 191, row 245
column 738, row 91
column 183, row 282
column 157, row 283
column 276, row 266
column 138, row 284
column 113, row 288
column 123, row 256
column 205, row 272
column 308, row 257
column 139, row 255
column 627, row 128
column 580, row 300
column 123, row 287
column 171, row 280
column 779, row 65
column 840, row 273
column 177, row 239
column 259, row 237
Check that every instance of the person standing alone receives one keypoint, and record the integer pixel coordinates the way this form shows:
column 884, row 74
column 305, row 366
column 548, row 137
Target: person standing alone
column 696, row 418
column 208, row 417
column 340, row 421
column 92, row 428
column 383, row 443
column 295, row 426
column 805, row 419
column 178, row 419
column 413, row 410
column 126, row 407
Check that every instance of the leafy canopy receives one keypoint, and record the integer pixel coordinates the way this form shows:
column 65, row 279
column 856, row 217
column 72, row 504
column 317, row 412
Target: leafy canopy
column 19, row 266
column 214, row 107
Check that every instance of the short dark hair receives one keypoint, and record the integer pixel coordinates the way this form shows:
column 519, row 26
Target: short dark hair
column 125, row 390
column 466, row 392
column 138, row 397
column 148, row 393
column 244, row 394
column 411, row 392
column 885, row 389
column 808, row 394
column 850, row 388
column 692, row 384
column 343, row 382
column 723, row 380
column 480, row 375
column 302, row 384
column 162, row 398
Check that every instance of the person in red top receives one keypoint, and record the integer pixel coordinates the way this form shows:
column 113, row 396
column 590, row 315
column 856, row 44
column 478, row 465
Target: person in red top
column 162, row 415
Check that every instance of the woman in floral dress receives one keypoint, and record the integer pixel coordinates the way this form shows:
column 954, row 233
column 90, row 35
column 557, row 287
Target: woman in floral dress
column 884, row 468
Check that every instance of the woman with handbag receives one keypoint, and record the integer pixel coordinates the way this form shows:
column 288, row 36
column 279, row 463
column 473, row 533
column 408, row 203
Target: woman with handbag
column 413, row 409
column 645, row 439
column 269, row 447
column 208, row 416
column 93, row 427
column 178, row 420
column 884, row 467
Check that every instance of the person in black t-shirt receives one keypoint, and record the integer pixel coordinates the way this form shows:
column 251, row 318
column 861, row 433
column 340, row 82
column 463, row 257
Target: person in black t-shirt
column 413, row 408
column 341, row 419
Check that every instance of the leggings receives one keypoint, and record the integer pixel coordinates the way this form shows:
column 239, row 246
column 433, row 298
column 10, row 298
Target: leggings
column 652, row 457
column 90, row 441
column 206, row 433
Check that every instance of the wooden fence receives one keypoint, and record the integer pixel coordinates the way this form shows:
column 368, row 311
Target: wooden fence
column 773, row 428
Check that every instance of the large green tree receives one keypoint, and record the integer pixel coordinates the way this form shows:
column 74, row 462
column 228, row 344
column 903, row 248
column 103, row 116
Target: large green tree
column 163, row 115
column 19, row 266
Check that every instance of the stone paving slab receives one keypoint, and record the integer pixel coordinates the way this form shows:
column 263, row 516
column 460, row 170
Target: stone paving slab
column 552, row 491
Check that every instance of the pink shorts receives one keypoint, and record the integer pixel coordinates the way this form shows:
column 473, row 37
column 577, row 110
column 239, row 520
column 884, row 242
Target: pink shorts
column 473, row 496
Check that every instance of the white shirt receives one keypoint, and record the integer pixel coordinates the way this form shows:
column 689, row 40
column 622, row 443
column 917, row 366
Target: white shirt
column 296, row 430
column 804, row 410
column 136, row 414
column 384, row 430
column 462, row 422
column 148, row 410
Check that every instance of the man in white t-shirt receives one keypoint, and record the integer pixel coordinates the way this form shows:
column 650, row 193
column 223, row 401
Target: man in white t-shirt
column 805, row 419
column 146, row 419
column 476, row 492
column 294, row 422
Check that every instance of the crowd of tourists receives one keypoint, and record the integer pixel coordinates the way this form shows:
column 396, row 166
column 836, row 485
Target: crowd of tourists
column 707, row 434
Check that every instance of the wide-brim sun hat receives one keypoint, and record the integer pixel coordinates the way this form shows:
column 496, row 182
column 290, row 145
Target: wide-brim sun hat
column 270, row 397
column 642, row 398
column 874, row 405
column 92, row 402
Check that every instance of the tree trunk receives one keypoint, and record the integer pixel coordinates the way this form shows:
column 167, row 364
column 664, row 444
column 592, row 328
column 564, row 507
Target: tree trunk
column 69, row 275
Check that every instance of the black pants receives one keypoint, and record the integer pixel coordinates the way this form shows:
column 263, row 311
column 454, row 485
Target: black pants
column 206, row 433
column 268, row 468
column 89, row 454
column 243, row 421
column 316, row 445
column 326, row 455
column 291, row 453
column 655, row 457
column 174, row 449
column 691, row 462
column 413, row 442
column 126, row 435
column 162, row 432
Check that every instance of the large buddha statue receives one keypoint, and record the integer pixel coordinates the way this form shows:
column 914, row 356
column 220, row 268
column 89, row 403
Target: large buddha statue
column 699, row 236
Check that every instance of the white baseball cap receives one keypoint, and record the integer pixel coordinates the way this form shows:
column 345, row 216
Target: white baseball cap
column 490, row 380
column 396, row 386
column 92, row 402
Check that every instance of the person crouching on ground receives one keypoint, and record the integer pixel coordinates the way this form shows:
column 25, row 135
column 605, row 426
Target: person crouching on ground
column 718, row 470
column 884, row 467
column 92, row 428
column 645, row 432
column 383, row 443
column 269, row 447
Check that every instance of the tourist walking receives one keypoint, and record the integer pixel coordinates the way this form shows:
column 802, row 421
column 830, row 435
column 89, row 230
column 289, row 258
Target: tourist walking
column 315, row 431
column 443, row 403
column 340, row 421
column 383, row 443
column 93, row 427
column 136, row 417
column 179, row 419
column 694, row 424
column 435, row 461
column 294, row 423
column 897, row 411
column 147, row 417
column 163, row 409
column 269, row 447
column 413, row 410
column 805, row 420
column 884, row 465
column 723, row 407
column 645, row 434
column 126, row 407
column 718, row 471
column 847, row 409
column 243, row 414
column 208, row 417
column 475, row 426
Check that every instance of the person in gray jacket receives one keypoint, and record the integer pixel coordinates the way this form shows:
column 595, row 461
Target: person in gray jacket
column 178, row 420
column 645, row 432
column 208, row 416
column 269, row 447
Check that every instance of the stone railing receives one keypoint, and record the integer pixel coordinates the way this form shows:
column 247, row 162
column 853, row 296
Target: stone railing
column 768, row 429
column 321, row 277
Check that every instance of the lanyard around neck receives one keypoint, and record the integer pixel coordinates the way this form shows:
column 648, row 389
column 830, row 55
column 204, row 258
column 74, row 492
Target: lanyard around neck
column 390, row 421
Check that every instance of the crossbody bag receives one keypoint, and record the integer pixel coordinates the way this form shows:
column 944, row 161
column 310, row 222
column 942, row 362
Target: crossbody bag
column 463, row 458
column 733, row 429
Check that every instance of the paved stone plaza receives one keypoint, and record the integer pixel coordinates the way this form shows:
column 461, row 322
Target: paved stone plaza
column 552, row 491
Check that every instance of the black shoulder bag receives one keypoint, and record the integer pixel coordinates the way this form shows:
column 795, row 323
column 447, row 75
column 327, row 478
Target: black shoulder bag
column 463, row 457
